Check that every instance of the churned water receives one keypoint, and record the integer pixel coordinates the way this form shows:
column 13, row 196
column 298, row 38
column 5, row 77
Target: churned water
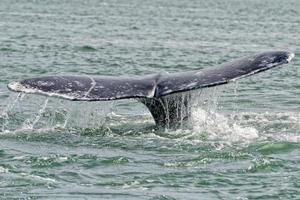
column 245, row 138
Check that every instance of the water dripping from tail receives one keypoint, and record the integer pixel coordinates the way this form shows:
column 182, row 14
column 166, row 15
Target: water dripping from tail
column 12, row 100
column 206, row 121
column 30, row 124
column 23, row 113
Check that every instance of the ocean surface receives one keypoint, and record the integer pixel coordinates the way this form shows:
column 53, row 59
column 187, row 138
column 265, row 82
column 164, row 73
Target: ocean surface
column 245, row 139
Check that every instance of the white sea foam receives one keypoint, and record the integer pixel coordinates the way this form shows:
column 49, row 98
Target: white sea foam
column 3, row 170
column 220, row 127
column 246, row 127
column 291, row 56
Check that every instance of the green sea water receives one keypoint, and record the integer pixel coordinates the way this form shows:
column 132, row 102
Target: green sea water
column 245, row 138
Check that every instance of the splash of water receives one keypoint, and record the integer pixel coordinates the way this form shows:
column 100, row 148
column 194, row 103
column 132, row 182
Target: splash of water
column 216, row 126
column 30, row 112
column 29, row 124
column 213, row 124
column 209, row 123
column 4, row 116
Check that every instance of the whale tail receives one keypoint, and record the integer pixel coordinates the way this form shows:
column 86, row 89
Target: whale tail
column 152, row 90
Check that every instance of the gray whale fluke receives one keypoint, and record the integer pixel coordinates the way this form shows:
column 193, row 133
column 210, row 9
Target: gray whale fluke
column 152, row 90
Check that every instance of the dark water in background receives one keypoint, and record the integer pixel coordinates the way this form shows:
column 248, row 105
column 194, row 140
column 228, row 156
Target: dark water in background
column 244, row 144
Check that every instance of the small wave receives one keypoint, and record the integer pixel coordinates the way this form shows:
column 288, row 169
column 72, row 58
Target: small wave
column 87, row 48
column 3, row 170
column 7, row 49
column 162, row 197
column 264, row 164
column 277, row 147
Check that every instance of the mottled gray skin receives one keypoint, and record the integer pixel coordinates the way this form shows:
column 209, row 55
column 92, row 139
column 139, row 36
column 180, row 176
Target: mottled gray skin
column 152, row 90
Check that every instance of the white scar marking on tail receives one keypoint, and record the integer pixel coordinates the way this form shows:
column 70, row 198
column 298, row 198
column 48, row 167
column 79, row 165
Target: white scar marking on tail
column 93, row 83
column 151, row 93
